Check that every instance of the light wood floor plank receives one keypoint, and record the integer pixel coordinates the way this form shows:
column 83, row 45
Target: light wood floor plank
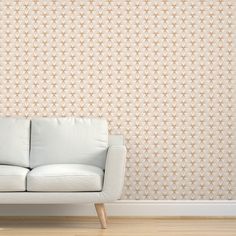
column 117, row 226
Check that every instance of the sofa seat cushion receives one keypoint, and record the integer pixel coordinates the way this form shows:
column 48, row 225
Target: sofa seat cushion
column 65, row 178
column 12, row 178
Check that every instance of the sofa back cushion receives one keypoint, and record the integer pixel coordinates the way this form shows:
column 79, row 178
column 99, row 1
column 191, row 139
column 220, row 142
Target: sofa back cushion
column 68, row 141
column 14, row 141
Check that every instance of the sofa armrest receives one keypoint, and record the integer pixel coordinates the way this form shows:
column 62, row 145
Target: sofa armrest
column 114, row 172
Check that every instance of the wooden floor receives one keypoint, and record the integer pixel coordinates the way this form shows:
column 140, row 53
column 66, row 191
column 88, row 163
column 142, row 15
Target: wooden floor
column 117, row 226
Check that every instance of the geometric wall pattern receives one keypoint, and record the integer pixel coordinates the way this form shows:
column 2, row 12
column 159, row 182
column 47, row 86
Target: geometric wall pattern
column 161, row 72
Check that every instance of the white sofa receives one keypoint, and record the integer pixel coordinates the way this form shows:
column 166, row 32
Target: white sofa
column 60, row 161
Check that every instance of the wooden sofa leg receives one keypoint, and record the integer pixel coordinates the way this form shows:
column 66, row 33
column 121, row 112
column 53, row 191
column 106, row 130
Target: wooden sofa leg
column 101, row 212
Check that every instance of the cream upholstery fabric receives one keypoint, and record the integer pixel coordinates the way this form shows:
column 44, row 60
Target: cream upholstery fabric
column 14, row 140
column 65, row 178
column 12, row 178
column 111, row 190
column 69, row 141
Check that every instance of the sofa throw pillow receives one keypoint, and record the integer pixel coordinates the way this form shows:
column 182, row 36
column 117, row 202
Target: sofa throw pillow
column 69, row 141
column 14, row 141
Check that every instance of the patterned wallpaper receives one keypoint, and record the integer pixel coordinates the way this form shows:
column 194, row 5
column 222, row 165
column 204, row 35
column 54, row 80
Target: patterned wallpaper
column 161, row 72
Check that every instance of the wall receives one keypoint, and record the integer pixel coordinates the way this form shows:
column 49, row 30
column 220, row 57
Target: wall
column 161, row 72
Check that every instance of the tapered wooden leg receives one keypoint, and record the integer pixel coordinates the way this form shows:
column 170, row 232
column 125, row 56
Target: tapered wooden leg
column 101, row 212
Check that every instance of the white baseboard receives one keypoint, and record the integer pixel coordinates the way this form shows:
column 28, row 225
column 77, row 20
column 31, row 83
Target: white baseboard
column 173, row 208
column 128, row 208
